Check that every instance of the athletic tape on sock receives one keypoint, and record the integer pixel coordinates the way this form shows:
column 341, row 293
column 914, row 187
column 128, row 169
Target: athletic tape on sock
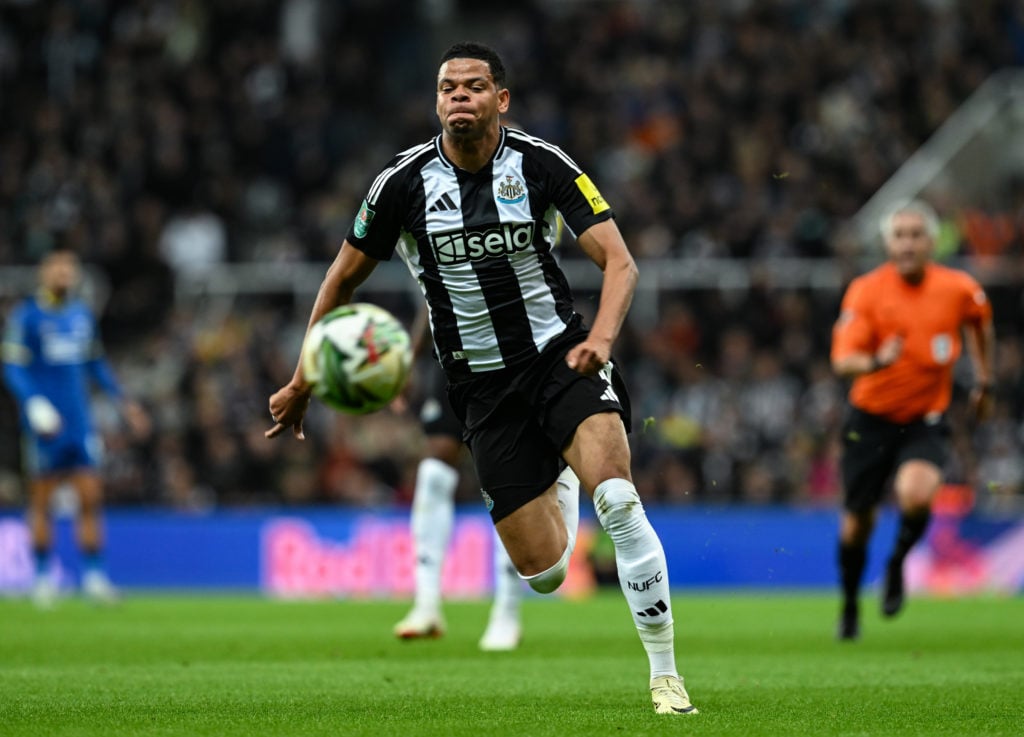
column 547, row 581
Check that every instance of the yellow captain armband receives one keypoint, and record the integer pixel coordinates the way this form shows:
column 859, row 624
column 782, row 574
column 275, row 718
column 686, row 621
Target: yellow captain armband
column 597, row 202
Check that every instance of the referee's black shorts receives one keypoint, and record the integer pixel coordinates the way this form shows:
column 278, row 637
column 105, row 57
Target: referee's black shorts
column 873, row 448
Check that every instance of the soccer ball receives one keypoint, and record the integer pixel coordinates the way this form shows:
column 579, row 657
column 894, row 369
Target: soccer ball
column 357, row 358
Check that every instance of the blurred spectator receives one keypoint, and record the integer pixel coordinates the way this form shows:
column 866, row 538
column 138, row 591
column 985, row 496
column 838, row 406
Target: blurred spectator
column 163, row 137
column 193, row 240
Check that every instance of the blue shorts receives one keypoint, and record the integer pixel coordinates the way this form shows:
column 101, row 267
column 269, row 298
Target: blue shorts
column 61, row 454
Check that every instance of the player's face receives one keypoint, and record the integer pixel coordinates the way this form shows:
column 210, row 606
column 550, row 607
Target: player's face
column 468, row 101
column 59, row 273
column 909, row 245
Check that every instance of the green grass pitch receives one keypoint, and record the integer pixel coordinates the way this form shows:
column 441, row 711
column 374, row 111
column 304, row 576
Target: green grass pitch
column 755, row 664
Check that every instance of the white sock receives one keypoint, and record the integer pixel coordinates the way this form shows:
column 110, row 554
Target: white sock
column 643, row 571
column 433, row 514
column 568, row 487
column 549, row 580
column 507, row 584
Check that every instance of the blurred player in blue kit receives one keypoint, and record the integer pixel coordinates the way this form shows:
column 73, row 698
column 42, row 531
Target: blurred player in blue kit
column 51, row 357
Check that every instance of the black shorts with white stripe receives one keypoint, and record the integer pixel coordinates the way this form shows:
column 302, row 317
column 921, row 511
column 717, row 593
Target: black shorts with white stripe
column 520, row 421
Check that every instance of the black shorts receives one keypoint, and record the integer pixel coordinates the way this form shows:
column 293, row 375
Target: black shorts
column 873, row 448
column 436, row 414
column 518, row 421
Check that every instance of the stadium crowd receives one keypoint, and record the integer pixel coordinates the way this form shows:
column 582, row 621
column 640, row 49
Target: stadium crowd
column 162, row 137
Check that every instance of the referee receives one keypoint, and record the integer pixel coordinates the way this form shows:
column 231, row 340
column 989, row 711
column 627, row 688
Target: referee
column 900, row 331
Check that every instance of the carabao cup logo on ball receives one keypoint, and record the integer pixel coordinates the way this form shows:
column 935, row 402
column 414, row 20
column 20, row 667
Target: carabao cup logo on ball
column 357, row 358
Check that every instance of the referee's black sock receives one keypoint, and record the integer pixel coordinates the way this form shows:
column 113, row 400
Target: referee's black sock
column 851, row 568
column 912, row 529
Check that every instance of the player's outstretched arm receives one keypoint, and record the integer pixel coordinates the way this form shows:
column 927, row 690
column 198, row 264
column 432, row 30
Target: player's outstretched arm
column 853, row 332
column 350, row 268
column 136, row 418
column 859, row 363
column 133, row 414
column 604, row 245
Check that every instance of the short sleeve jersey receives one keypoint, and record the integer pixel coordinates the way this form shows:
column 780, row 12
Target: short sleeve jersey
column 480, row 244
column 928, row 316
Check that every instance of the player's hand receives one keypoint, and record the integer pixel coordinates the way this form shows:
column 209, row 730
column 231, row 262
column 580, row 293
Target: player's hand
column 43, row 417
column 588, row 357
column 403, row 403
column 981, row 402
column 287, row 409
column 889, row 351
column 137, row 419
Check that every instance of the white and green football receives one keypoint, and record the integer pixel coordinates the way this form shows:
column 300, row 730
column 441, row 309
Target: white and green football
column 357, row 358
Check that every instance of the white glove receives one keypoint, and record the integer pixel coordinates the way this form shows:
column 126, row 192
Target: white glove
column 43, row 417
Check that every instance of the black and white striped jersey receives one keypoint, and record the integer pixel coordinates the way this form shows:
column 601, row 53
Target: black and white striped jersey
column 479, row 244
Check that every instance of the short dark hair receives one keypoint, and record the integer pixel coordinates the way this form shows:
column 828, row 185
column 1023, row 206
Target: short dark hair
column 473, row 50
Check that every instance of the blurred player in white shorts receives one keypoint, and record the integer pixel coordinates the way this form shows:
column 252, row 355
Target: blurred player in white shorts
column 432, row 520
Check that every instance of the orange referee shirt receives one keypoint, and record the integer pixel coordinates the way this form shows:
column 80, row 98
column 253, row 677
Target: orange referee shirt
column 928, row 316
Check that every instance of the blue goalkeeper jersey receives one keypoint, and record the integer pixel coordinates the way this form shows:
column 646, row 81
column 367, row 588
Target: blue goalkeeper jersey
column 53, row 349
